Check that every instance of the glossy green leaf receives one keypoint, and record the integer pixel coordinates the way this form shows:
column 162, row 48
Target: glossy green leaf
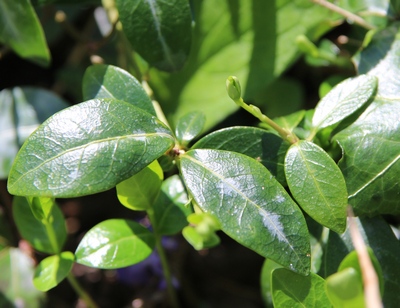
column 343, row 100
column 21, row 30
column 293, row 290
column 265, row 147
column 345, row 290
column 52, row 270
column 140, row 191
column 22, row 109
column 115, row 243
column 46, row 235
column 108, row 81
column 254, row 40
column 380, row 59
column 171, row 207
column 88, row 148
column 189, row 126
column 317, row 184
column 160, row 31
column 371, row 162
column 16, row 287
column 251, row 206
column 378, row 235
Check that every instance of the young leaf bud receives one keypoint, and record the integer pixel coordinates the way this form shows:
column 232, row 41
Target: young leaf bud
column 233, row 88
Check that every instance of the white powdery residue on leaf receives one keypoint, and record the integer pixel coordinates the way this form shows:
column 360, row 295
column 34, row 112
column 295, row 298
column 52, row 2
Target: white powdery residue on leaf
column 274, row 226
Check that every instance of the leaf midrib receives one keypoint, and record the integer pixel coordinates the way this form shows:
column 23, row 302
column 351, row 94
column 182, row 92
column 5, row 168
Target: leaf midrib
column 247, row 200
column 133, row 136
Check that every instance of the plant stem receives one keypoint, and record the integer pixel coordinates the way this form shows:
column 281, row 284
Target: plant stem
column 164, row 262
column 81, row 292
column 255, row 111
column 370, row 278
column 355, row 18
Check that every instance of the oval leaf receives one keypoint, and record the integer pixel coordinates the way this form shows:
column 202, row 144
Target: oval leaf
column 88, row 148
column 45, row 236
column 108, row 81
column 317, row 184
column 189, row 126
column 292, row 290
column 21, row 30
column 115, row 243
column 343, row 100
column 140, row 191
column 52, row 270
column 252, row 207
column 158, row 30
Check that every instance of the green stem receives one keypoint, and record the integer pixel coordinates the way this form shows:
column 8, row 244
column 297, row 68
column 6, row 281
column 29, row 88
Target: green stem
column 255, row 111
column 81, row 292
column 164, row 262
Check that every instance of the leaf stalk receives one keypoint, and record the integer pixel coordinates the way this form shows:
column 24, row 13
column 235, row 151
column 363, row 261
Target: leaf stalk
column 234, row 91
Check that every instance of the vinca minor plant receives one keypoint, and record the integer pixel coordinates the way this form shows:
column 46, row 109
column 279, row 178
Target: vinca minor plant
column 283, row 189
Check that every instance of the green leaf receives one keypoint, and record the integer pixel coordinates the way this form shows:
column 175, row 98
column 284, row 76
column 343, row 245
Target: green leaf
column 88, row 148
column 115, row 243
column 41, row 208
column 345, row 290
column 253, row 40
column 140, row 191
column 201, row 232
column 21, row 30
column 380, row 59
column 22, row 109
column 371, row 162
column 108, row 81
column 159, row 31
column 52, row 270
column 343, row 100
column 46, row 235
column 293, row 290
column 317, row 184
column 171, row 207
column 252, row 207
column 351, row 260
column 198, row 240
column 189, row 127
column 378, row 235
column 266, row 273
column 265, row 147
column 16, row 288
